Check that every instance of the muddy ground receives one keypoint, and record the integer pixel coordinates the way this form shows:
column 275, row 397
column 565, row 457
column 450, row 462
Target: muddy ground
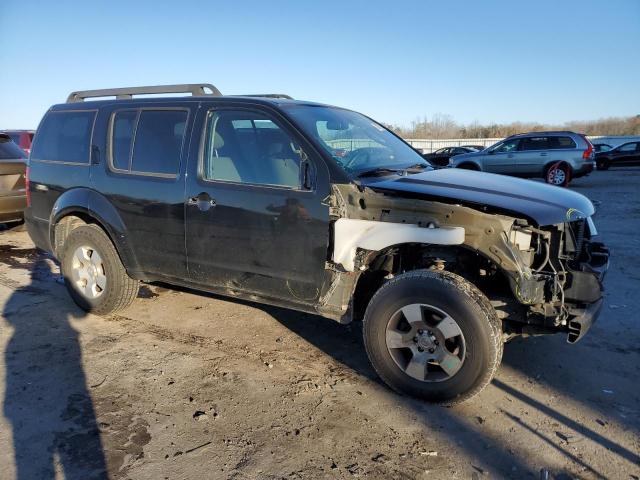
column 188, row 385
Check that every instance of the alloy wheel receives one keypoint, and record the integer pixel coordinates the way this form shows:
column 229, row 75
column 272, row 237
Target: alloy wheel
column 425, row 342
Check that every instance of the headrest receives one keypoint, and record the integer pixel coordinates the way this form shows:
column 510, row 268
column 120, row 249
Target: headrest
column 218, row 142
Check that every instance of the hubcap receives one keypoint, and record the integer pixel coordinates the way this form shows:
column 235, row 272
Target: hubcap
column 88, row 273
column 425, row 342
column 557, row 176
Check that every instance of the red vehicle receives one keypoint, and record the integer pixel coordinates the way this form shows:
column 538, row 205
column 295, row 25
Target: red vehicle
column 22, row 138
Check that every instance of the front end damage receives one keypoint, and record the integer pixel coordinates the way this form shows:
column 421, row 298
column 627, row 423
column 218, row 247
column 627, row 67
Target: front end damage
column 540, row 279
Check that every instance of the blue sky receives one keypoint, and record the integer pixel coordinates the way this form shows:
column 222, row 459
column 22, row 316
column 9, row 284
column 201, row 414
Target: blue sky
column 490, row 61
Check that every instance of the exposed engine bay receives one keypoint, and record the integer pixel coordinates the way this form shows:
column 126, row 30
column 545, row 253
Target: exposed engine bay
column 540, row 279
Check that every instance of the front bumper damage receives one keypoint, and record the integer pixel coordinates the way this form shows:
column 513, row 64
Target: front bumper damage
column 587, row 289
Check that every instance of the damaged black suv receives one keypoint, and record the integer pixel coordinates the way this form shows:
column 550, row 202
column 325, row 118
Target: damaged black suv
column 314, row 208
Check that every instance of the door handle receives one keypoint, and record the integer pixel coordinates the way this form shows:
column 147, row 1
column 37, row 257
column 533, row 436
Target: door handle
column 543, row 154
column 203, row 201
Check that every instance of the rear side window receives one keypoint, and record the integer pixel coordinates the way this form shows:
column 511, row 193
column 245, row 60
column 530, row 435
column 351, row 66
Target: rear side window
column 64, row 136
column 148, row 141
column 9, row 150
column 534, row 143
column 561, row 142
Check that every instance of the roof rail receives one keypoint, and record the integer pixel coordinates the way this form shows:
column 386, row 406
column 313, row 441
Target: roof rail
column 195, row 89
column 268, row 95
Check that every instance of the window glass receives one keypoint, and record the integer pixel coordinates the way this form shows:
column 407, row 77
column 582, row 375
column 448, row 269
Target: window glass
column 534, row 143
column 507, row 146
column 158, row 141
column 248, row 147
column 561, row 142
column 355, row 142
column 9, row 150
column 629, row 147
column 121, row 136
column 64, row 136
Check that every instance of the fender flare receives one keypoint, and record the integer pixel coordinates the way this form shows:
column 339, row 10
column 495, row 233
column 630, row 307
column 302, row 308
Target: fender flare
column 90, row 203
column 352, row 234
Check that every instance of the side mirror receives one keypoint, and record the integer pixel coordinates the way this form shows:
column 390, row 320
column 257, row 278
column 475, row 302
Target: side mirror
column 491, row 152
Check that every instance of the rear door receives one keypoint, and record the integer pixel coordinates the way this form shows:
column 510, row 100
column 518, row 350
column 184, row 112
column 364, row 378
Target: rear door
column 255, row 217
column 142, row 176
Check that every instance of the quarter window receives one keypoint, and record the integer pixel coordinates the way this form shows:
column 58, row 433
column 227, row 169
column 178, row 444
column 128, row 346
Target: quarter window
column 64, row 136
column 559, row 143
column 148, row 141
column 248, row 147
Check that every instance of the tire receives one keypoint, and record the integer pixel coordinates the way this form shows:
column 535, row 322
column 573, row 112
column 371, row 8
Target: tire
column 558, row 174
column 603, row 165
column 440, row 297
column 113, row 290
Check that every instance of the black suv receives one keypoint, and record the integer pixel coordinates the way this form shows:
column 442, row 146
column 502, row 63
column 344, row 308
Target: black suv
column 314, row 208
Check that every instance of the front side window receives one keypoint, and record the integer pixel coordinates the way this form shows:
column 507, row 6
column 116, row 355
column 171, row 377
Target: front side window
column 629, row 147
column 248, row 147
column 64, row 136
column 356, row 143
column 148, row 141
column 507, row 146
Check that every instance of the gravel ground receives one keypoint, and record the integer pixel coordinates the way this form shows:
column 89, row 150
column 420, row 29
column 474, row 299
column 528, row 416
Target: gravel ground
column 188, row 385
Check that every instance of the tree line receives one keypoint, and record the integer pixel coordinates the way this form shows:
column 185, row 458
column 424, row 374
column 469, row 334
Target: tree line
column 443, row 126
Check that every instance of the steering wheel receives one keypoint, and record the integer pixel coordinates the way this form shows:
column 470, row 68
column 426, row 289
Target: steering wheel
column 359, row 156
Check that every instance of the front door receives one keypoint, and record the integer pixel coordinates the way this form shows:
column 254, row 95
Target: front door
column 255, row 219
column 503, row 158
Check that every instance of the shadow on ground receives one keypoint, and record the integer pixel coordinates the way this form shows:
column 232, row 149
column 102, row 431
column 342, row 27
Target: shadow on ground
column 46, row 401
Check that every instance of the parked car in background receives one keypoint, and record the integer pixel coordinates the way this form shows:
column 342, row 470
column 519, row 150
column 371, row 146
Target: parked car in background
column 247, row 197
column 22, row 138
column 441, row 156
column 625, row 154
column 13, row 164
column 555, row 156
column 601, row 147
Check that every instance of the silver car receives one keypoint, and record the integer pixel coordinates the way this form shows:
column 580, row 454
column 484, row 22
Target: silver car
column 555, row 156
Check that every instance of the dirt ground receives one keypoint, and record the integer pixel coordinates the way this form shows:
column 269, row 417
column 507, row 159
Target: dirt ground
column 185, row 385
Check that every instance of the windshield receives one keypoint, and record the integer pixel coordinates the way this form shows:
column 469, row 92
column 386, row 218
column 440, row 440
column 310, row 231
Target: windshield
column 356, row 143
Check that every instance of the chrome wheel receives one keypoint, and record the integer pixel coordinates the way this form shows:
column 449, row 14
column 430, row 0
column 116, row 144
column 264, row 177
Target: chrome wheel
column 557, row 176
column 88, row 274
column 425, row 342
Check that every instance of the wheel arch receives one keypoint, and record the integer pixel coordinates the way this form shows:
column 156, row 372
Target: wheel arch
column 470, row 165
column 81, row 206
column 386, row 263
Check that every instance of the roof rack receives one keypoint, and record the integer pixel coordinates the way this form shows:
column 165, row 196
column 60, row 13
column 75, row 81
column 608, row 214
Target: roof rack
column 268, row 95
column 195, row 89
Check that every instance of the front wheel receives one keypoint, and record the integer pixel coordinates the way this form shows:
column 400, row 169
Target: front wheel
column 434, row 336
column 93, row 273
column 602, row 164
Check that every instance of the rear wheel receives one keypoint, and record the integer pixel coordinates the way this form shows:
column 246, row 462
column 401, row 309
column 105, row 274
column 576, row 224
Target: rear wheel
column 93, row 273
column 558, row 174
column 433, row 335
